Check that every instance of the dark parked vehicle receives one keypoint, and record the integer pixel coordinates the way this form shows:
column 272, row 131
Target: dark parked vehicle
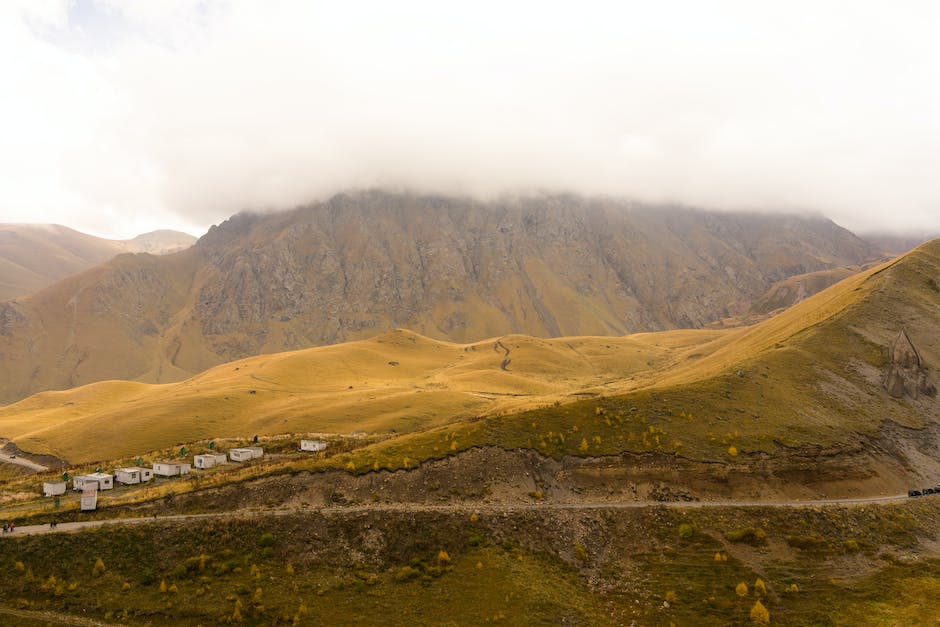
column 914, row 493
column 926, row 491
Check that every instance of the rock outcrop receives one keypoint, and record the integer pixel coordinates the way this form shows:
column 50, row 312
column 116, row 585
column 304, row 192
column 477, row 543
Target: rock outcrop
column 907, row 375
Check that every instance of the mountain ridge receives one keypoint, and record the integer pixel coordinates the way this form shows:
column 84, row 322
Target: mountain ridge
column 34, row 256
column 450, row 268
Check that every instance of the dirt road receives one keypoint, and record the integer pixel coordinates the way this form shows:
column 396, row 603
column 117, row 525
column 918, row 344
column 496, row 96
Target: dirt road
column 19, row 461
column 492, row 508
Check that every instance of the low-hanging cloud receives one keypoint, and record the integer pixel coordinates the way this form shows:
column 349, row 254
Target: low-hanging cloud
column 131, row 115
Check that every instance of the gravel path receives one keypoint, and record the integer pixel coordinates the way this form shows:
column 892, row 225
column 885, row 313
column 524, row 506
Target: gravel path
column 496, row 508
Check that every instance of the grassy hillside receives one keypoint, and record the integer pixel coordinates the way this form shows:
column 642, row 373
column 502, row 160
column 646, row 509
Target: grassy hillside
column 855, row 566
column 34, row 256
column 448, row 268
column 810, row 377
column 398, row 380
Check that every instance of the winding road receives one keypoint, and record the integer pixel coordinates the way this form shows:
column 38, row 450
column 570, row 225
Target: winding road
column 490, row 508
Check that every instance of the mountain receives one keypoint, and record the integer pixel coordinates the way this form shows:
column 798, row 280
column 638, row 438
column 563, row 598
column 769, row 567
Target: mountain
column 448, row 268
column 840, row 389
column 34, row 256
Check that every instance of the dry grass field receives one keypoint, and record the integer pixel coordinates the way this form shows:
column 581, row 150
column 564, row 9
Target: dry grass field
column 807, row 364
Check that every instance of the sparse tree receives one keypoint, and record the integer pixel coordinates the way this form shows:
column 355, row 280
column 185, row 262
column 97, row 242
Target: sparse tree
column 759, row 614
column 760, row 588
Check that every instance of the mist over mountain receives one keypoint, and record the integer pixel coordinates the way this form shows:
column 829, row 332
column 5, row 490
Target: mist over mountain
column 450, row 268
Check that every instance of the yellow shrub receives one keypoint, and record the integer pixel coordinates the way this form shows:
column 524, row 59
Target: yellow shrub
column 759, row 614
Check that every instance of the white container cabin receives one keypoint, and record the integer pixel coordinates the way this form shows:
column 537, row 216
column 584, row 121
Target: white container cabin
column 171, row 469
column 314, row 446
column 133, row 475
column 96, row 481
column 245, row 454
column 209, row 460
column 89, row 500
column 53, row 488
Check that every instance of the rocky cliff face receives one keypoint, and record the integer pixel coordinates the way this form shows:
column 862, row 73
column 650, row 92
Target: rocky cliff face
column 446, row 267
column 907, row 375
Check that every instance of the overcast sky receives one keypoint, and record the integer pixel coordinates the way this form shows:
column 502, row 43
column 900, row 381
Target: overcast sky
column 122, row 116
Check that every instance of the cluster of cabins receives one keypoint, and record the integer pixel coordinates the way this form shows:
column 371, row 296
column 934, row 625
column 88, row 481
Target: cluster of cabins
column 91, row 483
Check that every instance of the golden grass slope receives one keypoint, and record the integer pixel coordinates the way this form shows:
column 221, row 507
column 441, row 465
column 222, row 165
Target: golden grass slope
column 398, row 380
column 808, row 375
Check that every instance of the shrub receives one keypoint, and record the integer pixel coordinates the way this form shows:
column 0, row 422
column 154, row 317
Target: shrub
column 810, row 543
column 759, row 614
column 686, row 531
column 20, row 568
column 852, row 546
column 163, row 586
column 580, row 552
column 474, row 517
column 443, row 557
column 792, row 589
column 760, row 588
column 98, row 569
column 126, row 586
column 748, row 535
column 405, row 573
column 741, row 589
column 266, row 539
column 671, row 597
column 146, row 577
column 732, row 451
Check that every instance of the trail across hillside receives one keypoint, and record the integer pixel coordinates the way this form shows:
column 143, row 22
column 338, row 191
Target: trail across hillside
column 484, row 508
column 19, row 461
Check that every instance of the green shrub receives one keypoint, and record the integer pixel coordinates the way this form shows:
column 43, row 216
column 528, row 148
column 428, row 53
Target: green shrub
column 146, row 577
column 405, row 573
column 266, row 539
column 686, row 531
column 809, row 543
column 748, row 535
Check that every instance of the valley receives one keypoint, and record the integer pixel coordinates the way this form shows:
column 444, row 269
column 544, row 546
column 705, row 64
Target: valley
column 647, row 475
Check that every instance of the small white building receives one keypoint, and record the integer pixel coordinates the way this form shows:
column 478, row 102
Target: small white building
column 246, row 453
column 53, row 488
column 89, row 500
column 312, row 445
column 94, row 481
column 209, row 460
column 171, row 469
column 133, row 475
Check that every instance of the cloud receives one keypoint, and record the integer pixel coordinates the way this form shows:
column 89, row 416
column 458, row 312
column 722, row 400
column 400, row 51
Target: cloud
column 132, row 115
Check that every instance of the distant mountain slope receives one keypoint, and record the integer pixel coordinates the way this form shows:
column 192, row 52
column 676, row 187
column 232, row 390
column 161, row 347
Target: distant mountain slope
column 448, row 268
column 847, row 375
column 34, row 256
